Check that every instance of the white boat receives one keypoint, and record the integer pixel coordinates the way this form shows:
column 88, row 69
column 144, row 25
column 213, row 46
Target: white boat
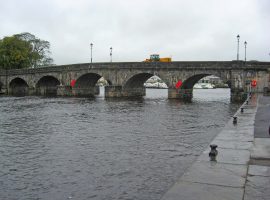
column 203, row 86
column 156, row 85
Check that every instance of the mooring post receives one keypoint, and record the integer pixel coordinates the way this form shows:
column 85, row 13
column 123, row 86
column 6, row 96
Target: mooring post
column 234, row 120
column 213, row 152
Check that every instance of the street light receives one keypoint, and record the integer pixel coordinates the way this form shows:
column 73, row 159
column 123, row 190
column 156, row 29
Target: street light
column 111, row 53
column 91, row 45
column 245, row 43
column 238, row 37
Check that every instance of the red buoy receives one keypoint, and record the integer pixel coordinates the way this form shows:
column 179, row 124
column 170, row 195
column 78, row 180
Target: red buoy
column 178, row 84
column 253, row 83
column 72, row 82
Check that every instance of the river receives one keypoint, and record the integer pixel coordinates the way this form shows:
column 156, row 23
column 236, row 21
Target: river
column 79, row 148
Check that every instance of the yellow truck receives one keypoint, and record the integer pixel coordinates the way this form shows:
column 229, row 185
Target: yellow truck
column 156, row 58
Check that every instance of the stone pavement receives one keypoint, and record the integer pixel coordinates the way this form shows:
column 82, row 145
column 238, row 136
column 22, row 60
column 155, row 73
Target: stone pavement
column 262, row 119
column 231, row 177
column 258, row 179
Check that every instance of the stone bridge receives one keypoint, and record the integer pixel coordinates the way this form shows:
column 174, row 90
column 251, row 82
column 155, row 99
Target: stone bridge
column 126, row 79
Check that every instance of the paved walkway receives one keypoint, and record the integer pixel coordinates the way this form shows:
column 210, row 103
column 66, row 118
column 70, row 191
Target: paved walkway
column 262, row 119
column 232, row 177
column 258, row 179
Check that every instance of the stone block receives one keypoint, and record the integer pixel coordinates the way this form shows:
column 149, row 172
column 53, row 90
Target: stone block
column 183, row 94
column 256, row 170
column 261, row 149
column 216, row 174
column 64, row 90
column 84, row 92
column 113, row 91
column 197, row 191
column 257, row 188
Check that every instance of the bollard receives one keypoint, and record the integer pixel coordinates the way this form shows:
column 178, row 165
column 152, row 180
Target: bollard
column 213, row 152
column 234, row 120
column 242, row 110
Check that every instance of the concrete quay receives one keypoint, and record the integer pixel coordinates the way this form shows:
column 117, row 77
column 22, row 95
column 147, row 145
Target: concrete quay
column 242, row 167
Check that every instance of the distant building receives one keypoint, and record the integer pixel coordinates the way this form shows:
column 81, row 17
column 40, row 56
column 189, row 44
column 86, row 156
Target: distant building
column 211, row 79
column 214, row 80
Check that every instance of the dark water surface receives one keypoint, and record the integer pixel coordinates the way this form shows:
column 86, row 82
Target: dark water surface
column 69, row 148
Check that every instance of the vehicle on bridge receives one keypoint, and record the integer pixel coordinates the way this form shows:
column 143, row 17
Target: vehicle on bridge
column 156, row 58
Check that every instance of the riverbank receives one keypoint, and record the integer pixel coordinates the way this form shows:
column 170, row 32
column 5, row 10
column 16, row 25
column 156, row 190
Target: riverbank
column 234, row 175
column 258, row 179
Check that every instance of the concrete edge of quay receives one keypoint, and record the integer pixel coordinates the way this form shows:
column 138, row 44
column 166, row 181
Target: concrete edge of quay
column 225, row 178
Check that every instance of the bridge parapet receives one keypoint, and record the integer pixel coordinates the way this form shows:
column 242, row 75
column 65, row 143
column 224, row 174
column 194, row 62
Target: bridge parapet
column 144, row 65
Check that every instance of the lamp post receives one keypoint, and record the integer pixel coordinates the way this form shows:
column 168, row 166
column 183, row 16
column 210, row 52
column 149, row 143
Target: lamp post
column 238, row 37
column 91, row 45
column 245, row 43
column 111, row 53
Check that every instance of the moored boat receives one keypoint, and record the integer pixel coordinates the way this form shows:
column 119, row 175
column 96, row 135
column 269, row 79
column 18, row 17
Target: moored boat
column 203, row 86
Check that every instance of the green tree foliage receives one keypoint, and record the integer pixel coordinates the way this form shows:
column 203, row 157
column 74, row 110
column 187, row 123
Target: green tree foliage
column 24, row 51
column 14, row 53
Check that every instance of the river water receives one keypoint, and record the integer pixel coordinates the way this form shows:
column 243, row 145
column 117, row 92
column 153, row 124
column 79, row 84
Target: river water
column 79, row 148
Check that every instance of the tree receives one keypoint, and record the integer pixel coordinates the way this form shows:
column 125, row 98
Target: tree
column 24, row 51
column 14, row 53
column 40, row 50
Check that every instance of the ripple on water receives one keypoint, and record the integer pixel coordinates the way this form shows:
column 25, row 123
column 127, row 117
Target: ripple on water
column 69, row 148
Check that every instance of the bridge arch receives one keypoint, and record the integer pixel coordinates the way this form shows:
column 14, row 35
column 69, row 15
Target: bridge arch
column 47, row 85
column 18, row 86
column 86, row 84
column 192, row 80
column 88, row 80
column 137, row 80
column 134, row 85
column 185, row 92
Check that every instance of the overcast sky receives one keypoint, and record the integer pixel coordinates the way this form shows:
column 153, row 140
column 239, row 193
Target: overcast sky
column 182, row 29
